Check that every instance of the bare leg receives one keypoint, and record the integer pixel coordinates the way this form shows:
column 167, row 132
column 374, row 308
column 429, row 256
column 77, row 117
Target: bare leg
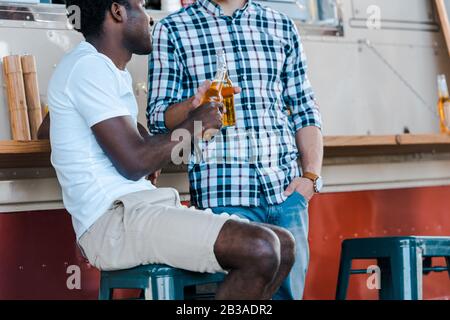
column 287, row 253
column 252, row 254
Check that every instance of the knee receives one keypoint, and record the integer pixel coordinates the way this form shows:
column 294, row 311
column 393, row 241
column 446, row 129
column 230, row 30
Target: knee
column 288, row 247
column 265, row 254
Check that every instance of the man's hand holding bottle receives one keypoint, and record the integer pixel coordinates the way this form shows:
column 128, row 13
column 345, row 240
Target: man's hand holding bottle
column 210, row 113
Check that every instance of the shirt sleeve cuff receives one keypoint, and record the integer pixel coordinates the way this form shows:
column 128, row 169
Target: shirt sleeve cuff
column 105, row 116
column 310, row 118
column 156, row 120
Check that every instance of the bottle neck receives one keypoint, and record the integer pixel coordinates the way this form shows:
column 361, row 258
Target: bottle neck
column 221, row 67
column 442, row 87
column 221, row 74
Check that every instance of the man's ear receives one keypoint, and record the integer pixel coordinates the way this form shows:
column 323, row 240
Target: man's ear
column 118, row 12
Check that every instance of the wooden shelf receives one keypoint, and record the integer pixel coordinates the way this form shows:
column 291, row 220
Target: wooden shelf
column 34, row 154
column 25, row 154
column 353, row 146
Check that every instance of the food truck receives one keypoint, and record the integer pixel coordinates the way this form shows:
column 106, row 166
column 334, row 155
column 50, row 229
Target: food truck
column 373, row 66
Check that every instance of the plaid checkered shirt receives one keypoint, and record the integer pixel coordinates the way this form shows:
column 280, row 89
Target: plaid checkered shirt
column 265, row 58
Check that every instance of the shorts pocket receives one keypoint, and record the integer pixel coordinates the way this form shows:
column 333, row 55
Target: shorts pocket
column 87, row 249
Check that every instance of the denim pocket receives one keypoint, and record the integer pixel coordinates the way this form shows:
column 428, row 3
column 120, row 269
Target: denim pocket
column 301, row 197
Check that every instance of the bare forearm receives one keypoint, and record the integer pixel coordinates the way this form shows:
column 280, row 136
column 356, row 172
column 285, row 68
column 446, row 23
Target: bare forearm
column 310, row 145
column 153, row 177
column 177, row 113
column 144, row 133
column 133, row 152
column 154, row 153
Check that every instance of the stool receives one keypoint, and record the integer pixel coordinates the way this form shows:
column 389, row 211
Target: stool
column 401, row 261
column 159, row 282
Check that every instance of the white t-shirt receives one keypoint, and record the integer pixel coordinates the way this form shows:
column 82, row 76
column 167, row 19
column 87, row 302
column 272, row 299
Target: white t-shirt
column 87, row 88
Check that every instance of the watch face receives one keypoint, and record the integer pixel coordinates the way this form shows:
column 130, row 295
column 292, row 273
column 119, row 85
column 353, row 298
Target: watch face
column 319, row 184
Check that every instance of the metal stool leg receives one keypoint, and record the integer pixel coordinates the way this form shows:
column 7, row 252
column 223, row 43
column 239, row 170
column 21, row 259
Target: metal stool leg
column 344, row 276
column 178, row 289
column 447, row 259
column 406, row 267
column 386, row 290
column 105, row 291
column 166, row 288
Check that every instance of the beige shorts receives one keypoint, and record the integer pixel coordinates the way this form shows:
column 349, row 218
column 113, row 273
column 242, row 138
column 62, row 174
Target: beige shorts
column 152, row 227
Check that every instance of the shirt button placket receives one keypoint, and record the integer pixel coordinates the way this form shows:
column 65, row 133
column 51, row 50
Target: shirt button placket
column 238, row 52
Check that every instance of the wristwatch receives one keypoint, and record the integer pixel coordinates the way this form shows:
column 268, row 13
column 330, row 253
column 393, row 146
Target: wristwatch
column 317, row 180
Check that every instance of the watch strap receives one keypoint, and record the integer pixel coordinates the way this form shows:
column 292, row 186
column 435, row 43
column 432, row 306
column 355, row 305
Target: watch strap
column 311, row 176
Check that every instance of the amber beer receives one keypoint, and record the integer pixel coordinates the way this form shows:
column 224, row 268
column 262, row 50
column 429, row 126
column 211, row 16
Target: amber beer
column 229, row 116
column 443, row 105
column 214, row 93
column 222, row 91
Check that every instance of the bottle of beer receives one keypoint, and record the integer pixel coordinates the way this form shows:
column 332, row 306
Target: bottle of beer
column 443, row 104
column 222, row 91
column 214, row 94
column 229, row 117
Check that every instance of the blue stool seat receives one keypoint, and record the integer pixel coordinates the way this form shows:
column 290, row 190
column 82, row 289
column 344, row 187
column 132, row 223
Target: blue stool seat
column 160, row 282
column 402, row 262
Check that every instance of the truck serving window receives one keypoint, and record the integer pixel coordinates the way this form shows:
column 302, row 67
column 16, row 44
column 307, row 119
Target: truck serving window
column 315, row 17
column 307, row 11
column 322, row 17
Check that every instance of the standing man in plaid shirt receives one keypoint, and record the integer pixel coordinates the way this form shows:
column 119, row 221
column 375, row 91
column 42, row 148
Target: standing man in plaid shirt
column 250, row 169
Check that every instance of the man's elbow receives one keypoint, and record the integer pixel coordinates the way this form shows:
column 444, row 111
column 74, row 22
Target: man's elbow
column 133, row 172
column 44, row 129
column 43, row 134
column 129, row 158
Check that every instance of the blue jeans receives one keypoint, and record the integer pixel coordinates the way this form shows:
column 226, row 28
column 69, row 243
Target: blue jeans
column 293, row 216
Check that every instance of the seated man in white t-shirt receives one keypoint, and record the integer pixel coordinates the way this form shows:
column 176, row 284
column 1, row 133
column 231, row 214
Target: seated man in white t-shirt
column 102, row 156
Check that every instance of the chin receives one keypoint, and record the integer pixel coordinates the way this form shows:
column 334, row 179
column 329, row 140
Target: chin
column 141, row 45
column 143, row 51
column 146, row 49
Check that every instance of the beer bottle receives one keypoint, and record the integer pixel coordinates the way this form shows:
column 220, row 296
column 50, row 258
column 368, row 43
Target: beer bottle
column 222, row 91
column 229, row 116
column 443, row 105
column 214, row 93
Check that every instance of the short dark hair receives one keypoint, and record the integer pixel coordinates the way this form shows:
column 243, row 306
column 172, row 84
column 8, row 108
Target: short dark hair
column 93, row 14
